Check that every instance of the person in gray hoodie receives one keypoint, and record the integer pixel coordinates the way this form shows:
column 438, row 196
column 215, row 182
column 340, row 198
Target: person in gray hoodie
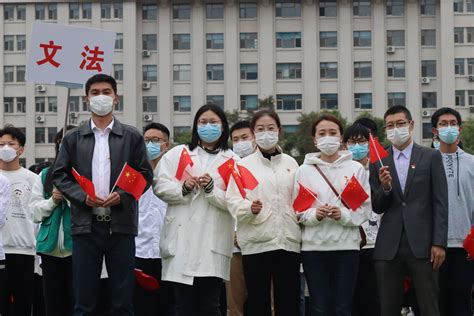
column 455, row 275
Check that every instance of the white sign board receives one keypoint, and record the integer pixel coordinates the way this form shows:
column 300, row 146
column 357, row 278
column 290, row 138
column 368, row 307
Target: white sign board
column 60, row 54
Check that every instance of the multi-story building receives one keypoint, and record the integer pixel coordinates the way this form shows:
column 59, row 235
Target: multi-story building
column 173, row 56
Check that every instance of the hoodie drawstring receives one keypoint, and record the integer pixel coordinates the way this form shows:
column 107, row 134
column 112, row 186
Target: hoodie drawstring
column 457, row 158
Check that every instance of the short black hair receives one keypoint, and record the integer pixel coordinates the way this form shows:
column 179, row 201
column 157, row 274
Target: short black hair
column 368, row 123
column 442, row 111
column 222, row 142
column 101, row 78
column 326, row 117
column 354, row 131
column 15, row 133
column 240, row 125
column 398, row 109
column 265, row 112
column 162, row 128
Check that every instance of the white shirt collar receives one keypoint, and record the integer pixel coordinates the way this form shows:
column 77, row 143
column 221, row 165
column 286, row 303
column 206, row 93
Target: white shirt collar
column 108, row 128
column 406, row 152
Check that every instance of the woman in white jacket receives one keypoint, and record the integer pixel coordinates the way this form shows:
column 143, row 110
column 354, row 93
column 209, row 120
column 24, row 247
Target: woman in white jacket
column 331, row 237
column 267, row 229
column 196, row 243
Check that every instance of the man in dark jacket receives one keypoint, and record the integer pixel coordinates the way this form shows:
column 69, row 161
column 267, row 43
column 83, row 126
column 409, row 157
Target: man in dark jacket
column 107, row 225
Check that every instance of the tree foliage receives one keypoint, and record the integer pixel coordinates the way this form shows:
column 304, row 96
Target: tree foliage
column 467, row 135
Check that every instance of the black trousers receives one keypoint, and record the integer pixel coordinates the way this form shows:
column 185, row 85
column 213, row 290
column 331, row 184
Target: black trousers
column 455, row 284
column 200, row 299
column 366, row 297
column 3, row 287
column 57, row 285
column 283, row 267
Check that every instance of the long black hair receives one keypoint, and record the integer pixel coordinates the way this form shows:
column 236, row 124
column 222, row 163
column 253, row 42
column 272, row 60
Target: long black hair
column 222, row 143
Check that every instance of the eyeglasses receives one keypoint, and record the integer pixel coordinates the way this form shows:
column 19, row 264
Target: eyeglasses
column 398, row 124
column 155, row 140
column 446, row 124
column 351, row 142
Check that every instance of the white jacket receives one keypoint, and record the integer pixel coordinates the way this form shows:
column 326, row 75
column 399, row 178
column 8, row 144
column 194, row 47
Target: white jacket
column 329, row 234
column 197, row 236
column 276, row 226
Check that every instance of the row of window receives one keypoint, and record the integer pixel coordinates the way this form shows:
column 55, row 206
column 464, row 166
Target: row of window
column 459, row 33
column 459, row 66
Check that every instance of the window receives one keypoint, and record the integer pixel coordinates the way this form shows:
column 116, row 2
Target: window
column 105, row 9
column 428, row 37
column 396, row 38
column 362, row 69
column 248, row 72
column 182, row 72
column 87, row 10
column 40, row 11
column 8, row 105
column 248, row 10
column 215, row 72
column 181, row 41
column 363, row 100
column 9, row 12
column 52, row 104
column 470, row 95
column 460, row 98
column 150, row 104
column 327, row 8
column 428, row 7
column 149, row 12
column 21, row 104
column 9, row 43
column 248, row 102
column 40, row 103
column 396, row 98
column 459, row 66
column 248, row 41
column 119, row 105
column 85, row 107
column 362, row 38
column 395, row 7
column 118, row 72
column 181, row 11
column 40, row 135
column 396, row 69
column 288, row 39
column 20, row 73
column 470, row 66
column 214, row 11
column 459, row 35
column 289, row 102
column 182, row 103
column 289, row 129
column 328, row 39
column 8, row 73
column 149, row 41
column 73, row 11
column 215, row 40
column 288, row 70
column 470, row 34
column 328, row 70
column 150, row 73
column 469, row 5
column 21, row 12
column 428, row 68
column 74, row 103
column 119, row 41
column 427, row 131
column 287, row 9
column 428, row 100
column 118, row 10
column 361, row 8
column 328, row 101
column 458, row 6
column 20, row 42
column 52, row 11
column 216, row 100
column 52, row 131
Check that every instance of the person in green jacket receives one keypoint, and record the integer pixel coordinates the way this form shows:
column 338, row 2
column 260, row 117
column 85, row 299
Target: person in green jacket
column 53, row 241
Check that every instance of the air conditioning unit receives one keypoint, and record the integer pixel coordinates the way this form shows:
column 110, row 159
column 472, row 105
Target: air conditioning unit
column 148, row 117
column 41, row 88
column 146, row 86
column 425, row 80
column 73, row 115
column 40, row 118
column 146, row 53
column 471, row 78
column 426, row 113
column 391, row 49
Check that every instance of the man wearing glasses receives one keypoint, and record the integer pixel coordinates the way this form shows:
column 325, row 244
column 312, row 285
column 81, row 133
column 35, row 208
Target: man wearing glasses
column 410, row 190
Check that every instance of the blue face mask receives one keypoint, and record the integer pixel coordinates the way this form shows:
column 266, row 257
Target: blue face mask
column 153, row 150
column 359, row 152
column 209, row 133
column 448, row 134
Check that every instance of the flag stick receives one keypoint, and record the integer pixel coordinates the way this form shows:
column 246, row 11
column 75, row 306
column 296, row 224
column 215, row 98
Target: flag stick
column 120, row 174
column 376, row 150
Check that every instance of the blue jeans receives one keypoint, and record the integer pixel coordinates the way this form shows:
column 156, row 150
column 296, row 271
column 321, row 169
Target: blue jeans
column 331, row 277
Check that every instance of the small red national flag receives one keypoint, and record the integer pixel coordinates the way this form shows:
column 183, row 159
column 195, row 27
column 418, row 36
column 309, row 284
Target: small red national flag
column 131, row 181
column 248, row 180
column 406, row 284
column 225, row 170
column 354, row 194
column 238, row 182
column 468, row 243
column 146, row 281
column 184, row 161
column 304, row 199
column 85, row 184
column 376, row 150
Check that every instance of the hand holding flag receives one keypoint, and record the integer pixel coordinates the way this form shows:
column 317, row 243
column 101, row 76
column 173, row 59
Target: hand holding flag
column 184, row 161
column 225, row 170
column 304, row 199
column 468, row 244
column 131, row 181
column 85, row 184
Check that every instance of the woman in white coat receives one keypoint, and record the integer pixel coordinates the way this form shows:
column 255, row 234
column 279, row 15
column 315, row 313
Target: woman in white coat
column 331, row 237
column 196, row 243
column 267, row 229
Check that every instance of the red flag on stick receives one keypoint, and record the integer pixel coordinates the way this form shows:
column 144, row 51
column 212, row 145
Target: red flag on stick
column 131, row 181
column 225, row 170
column 376, row 150
column 85, row 184
column 354, row 194
column 304, row 199
column 146, row 281
column 238, row 182
column 468, row 244
column 248, row 180
column 184, row 161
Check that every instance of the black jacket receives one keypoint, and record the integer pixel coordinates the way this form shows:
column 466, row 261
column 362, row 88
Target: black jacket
column 126, row 145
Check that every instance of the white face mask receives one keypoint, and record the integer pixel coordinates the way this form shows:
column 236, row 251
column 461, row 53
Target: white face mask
column 7, row 154
column 244, row 148
column 101, row 105
column 266, row 140
column 398, row 136
column 328, row 145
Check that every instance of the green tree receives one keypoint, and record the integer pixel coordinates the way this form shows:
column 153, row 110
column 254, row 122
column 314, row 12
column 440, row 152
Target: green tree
column 380, row 127
column 182, row 138
column 467, row 135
